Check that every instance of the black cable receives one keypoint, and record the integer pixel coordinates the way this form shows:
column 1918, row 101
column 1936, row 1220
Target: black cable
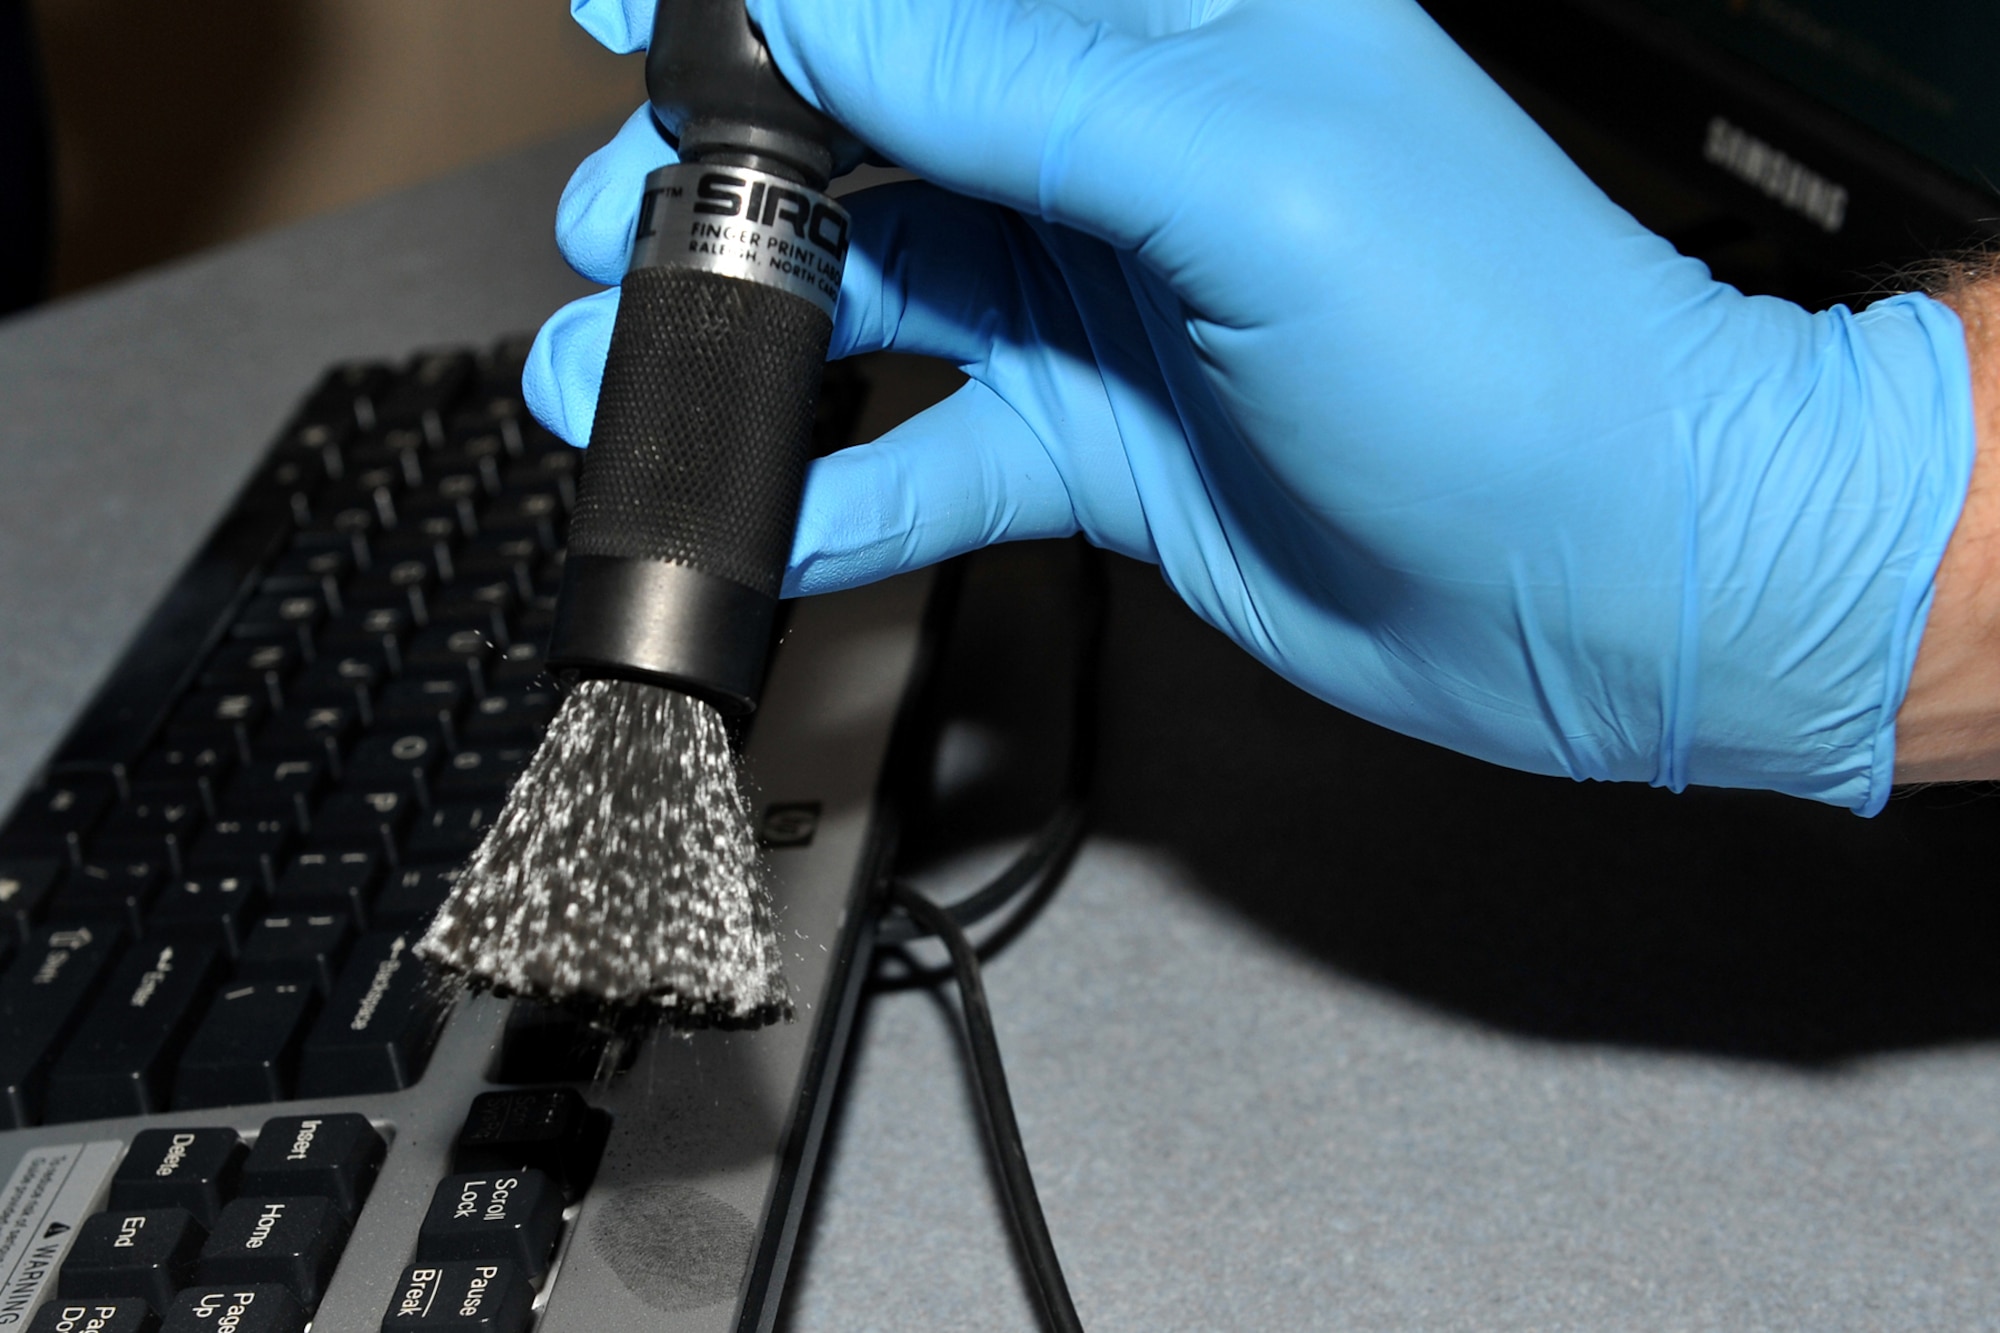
column 1024, row 1206
column 1030, row 878
column 1050, row 850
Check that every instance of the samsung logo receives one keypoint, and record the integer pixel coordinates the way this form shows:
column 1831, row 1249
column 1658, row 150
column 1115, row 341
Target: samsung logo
column 1777, row 176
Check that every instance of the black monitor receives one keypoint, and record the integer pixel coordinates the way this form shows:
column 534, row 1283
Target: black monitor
column 1806, row 148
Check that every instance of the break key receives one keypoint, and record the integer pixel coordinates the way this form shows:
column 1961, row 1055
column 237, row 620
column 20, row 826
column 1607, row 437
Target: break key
column 460, row 1297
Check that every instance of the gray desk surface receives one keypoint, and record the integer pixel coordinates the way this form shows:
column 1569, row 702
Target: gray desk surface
column 1282, row 1060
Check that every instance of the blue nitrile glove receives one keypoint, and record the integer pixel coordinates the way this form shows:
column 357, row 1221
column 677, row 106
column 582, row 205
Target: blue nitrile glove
column 1287, row 297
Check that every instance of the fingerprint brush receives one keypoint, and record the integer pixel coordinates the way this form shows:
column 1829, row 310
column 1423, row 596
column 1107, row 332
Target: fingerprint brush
column 623, row 871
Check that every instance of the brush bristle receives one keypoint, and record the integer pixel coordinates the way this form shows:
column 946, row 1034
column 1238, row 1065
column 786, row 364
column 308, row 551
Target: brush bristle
column 623, row 871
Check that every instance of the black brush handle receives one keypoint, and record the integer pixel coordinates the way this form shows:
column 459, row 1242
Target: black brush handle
column 690, row 488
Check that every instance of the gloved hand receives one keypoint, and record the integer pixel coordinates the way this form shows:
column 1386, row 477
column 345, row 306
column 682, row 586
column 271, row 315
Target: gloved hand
column 1288, row 298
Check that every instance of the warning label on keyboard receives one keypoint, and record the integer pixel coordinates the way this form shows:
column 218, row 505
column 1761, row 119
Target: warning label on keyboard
column 50, row 1192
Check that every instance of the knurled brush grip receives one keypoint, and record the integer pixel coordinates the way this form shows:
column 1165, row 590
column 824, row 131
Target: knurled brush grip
column 690, row 488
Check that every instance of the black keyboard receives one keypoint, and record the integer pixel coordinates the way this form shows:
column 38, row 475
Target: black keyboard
column 223, row 913
column 209, row 899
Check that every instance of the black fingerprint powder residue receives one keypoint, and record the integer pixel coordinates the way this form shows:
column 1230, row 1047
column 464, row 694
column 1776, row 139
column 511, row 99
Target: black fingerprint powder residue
column 674, row 1247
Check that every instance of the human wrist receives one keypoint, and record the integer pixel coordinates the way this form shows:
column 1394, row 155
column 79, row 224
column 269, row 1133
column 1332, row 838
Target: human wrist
column 1948, row 727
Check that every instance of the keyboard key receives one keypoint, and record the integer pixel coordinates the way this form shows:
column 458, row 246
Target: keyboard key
column 460, row 1298
column 488, row 431
column 378, row 1026
column 412, row 896
column 248, row 1308
column 342, row 399
column 277, row 786
column 125, row 1314
column 290, row 618
column 291, row 1242
column 544, row 1042
column 173, row 807
column 297, row 475
column 121, row 1060
column 427, row 700
column 217, row 905
column 464, row 473
column 247, row 1047
column 533, row 515
column 371, row 488
column 51, row 820
column 205, row 761
column 221, row 708
column 493, row 1217
column 348, row 679
column 371, row 472
column 404, row 566
column 398, row 451
column 442, row 520
column 297, row 946
column 483, row 771
column 371, row 820
column 245, row 836
column 551, row 1130
column 537, row 622
column 148, row 1255
column 342, row 514
column 522, row 665
column 320, row 732
column 424, row 393
column 43, row 998
column 207, row 717
column 246, row 804
column 309, row 570
column 452, row 831
column 156, row 823
column 520, row 716
column 191, row 1169
column 478, row 602
column 315, row 536
column 511, row 558
column 362, row 629
column 399, row 758
column 27, row 883
column 359, row 506
column 253, row 667
column 319, row 433
column 331, row 1157
column 443, row 648
column 330, row 881
column 112, row 891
